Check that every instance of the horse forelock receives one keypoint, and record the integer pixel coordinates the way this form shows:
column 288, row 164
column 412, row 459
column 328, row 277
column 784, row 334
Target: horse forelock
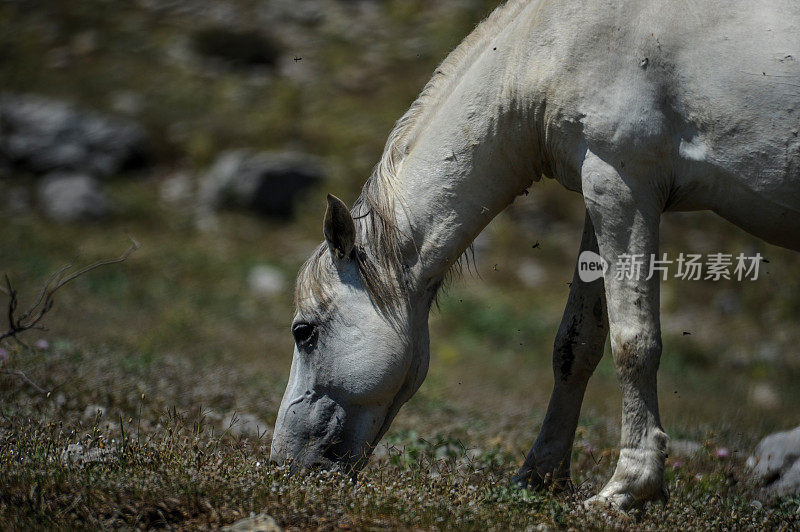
column 314, row 291
column 311, row 293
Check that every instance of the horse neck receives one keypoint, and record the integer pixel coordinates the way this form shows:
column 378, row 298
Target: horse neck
column 475, row 154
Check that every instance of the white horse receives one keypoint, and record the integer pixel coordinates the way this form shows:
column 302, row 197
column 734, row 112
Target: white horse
column 641, row 106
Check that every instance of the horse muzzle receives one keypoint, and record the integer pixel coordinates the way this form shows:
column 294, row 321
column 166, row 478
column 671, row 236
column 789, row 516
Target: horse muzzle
column 308, row 434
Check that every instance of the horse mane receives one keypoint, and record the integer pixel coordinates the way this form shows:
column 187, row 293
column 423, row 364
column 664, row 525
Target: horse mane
column 378, row 241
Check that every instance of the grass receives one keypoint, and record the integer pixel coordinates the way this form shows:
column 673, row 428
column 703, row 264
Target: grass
column 172, row 343
column 166, row 468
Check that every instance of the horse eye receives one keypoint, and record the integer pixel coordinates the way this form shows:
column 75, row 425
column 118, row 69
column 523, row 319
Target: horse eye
column 303, row 333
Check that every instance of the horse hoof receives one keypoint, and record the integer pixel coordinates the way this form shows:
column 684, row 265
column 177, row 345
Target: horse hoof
column 620, row 501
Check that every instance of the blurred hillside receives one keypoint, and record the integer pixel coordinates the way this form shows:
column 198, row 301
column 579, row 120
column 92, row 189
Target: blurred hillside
column 221, row 99
column 324, row 76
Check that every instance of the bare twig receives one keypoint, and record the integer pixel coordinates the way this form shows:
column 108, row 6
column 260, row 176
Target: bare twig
column 44, row 302
column 25, row 378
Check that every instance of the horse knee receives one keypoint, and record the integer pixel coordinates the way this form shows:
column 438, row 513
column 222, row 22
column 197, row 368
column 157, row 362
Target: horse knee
column 636, row 353
column 576, row 355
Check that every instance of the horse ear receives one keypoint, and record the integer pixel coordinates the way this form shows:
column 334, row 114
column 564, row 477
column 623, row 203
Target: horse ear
column 339, row 228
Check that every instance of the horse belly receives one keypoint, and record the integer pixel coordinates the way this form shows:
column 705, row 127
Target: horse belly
column 763, row 201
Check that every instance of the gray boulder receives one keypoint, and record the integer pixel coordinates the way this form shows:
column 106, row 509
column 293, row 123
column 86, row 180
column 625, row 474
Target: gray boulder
column 684, row 448
column 245, row 425
column 776, row 463
column 94, row 412
column 39, row 135
column 235, row 47
column 70, row 197
column 265, row 280
column 268, row 183
column 256, row 523
column 77, row 454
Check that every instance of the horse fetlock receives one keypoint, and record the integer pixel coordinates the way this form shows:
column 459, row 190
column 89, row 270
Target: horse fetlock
column 539, row 476
column 638, row 478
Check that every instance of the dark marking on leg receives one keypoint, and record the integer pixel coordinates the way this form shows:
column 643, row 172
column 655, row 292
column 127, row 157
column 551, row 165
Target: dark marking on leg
column 598, row 310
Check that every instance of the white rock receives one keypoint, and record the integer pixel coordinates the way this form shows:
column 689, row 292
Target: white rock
column 765, row 396
column 245, row 425
column 93, row 411
column 684, row 448
column 266, row 280
column 177, row 188
column 543, row 527
column 257, row 523
column 531, row 274
column 67, row 197
column 76, row 454
column 776, row 463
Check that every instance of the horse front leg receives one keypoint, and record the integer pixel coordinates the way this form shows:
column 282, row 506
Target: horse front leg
column 626, row 211
column 576, row 352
